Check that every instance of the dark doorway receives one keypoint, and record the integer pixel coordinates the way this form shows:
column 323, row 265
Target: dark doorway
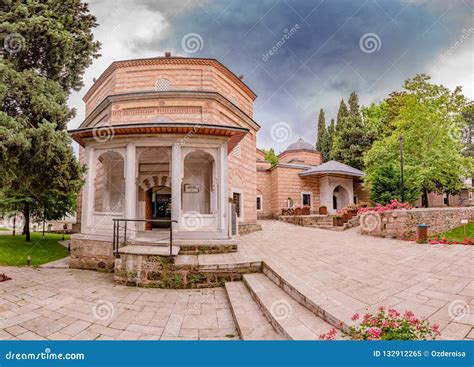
column 160, row 198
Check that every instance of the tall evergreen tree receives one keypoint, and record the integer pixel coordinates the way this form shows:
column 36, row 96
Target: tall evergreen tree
column 322, row 133
column 331, row 130
column 354, row 108
column 48, row 46
column 341, row 113
column 352, row 138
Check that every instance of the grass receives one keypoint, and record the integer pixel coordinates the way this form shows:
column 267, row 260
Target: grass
column 4, row 229
column 457, row 234
column 14, row 249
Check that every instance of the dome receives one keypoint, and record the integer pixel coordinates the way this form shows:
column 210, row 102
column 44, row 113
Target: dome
column 300, row 144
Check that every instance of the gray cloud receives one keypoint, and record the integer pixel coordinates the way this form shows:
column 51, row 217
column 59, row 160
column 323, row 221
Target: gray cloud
column 315, row 67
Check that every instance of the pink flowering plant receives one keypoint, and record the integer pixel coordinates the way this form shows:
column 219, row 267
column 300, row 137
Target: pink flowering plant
column 388, row 325
column 379, row 208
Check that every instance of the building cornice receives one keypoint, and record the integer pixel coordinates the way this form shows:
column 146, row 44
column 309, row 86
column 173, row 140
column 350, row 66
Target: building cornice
column 104, row 133
column 134, row 96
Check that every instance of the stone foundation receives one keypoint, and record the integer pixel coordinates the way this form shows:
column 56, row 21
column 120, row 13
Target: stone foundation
column 307, row 220
column 162, row 272
column 91, row 254
column 403, row 223
column 249, row 228
column 206, row 249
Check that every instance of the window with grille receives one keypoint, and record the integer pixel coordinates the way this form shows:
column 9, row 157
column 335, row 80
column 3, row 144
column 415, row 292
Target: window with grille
column 306, row 199
column 237, row 201
column 162, row 85
column 259, row 202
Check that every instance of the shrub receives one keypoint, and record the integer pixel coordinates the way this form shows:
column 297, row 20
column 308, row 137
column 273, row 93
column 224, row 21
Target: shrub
column 390, row 325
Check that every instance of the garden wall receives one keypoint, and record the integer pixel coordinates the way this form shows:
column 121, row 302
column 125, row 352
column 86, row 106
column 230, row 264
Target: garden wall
column 403, row 223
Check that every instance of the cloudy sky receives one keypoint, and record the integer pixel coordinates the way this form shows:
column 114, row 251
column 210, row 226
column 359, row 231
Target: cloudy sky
column 331, row 48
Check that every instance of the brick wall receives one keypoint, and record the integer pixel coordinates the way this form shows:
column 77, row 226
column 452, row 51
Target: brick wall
column 284, row 183
column 182, row 75
column 243, row 176
column 264, row 189
column 403, row 223
column 312, row 158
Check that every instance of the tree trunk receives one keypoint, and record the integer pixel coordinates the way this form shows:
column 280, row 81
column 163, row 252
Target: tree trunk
column 26, row 227
column 424, row 200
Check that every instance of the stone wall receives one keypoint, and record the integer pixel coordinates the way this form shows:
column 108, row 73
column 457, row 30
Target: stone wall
column 91, row 254
column 162, row 272
column 403, row 223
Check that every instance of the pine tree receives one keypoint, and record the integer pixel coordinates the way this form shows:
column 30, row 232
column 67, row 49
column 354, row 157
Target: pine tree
column 49, row 45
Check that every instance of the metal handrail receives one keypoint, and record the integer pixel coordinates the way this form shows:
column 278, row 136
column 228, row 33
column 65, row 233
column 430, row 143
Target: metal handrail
column 116, row 237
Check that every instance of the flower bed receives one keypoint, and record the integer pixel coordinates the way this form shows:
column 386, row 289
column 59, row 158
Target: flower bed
column 388, row 325
column 379, row 208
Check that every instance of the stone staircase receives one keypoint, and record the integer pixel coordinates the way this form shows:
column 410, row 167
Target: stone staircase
column 319, row 221
column 265, row 308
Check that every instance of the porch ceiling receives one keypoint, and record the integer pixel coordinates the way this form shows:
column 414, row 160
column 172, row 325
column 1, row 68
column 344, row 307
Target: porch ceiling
column 232, row 133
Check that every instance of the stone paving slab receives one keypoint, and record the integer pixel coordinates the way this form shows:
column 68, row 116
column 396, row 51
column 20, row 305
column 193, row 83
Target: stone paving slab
column 428, row 279
column 62, row 304
column 58, row 264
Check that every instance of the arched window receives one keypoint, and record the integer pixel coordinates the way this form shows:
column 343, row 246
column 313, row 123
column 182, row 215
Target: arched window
column 109, row 184
column 162, row 85
column 198, row 183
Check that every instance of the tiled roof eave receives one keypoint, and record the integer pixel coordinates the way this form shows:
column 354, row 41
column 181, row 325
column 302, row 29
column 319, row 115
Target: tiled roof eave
column 330, row 172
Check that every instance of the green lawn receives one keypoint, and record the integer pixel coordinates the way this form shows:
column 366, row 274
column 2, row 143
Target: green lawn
column 4, row 229
column 457, row 234
column 14, row 249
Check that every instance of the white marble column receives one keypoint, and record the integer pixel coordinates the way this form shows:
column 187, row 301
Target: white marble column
column 131, row 186
column 88, row 190
column 176, row 180
column 222, row 190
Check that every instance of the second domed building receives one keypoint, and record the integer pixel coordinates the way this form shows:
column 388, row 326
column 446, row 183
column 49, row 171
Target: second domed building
column 301, row 179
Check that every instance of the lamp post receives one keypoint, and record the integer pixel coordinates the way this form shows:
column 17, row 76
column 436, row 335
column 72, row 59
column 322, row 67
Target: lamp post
column 401, row 168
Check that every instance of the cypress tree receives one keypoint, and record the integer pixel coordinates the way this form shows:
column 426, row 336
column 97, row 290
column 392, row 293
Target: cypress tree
column 331, row 130
column 354, row 108
column 321, row 130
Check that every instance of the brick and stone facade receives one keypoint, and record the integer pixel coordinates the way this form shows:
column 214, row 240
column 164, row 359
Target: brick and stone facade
column 284, row 184
column 172, row 133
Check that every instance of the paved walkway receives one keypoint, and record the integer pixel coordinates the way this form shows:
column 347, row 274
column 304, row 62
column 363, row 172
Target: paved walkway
column 354, row 272
column 362, row 272
column 77, row 304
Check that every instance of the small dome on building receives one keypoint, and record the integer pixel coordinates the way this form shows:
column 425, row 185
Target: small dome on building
column 300, row 144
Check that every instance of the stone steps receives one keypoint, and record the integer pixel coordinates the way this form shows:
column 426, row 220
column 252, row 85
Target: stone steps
column 287, row 316
column 328, row 305
column 249, row 319
column 148, row 250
